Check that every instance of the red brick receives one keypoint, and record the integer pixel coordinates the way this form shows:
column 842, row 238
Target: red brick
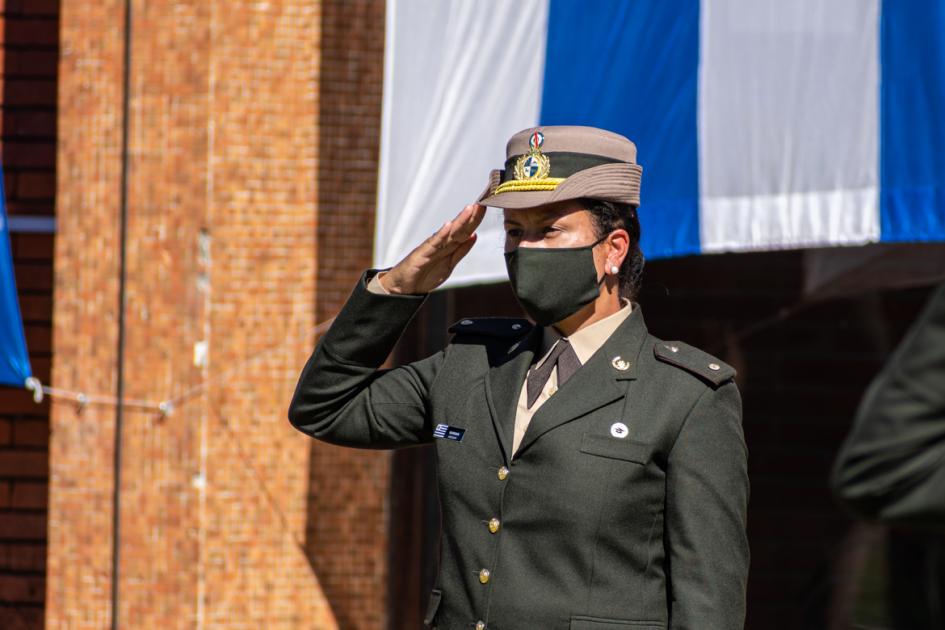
column 36, row 308
column 31, row 31
column 24, row 464
column 37, row 124
column 21, row 616
column 6, row 432
column 34, row 63
column 30, row 433
column 22, row 526
column 22, row 557
column 29, row 92
column 5, row 497
column 21, row 588
column 30, row 154
column 29, row 495
column 38, row 337
column 49, row 8
column 36, row 185
column 41, row 364
column 17, row 401
column 34, row 276
column 33, row 247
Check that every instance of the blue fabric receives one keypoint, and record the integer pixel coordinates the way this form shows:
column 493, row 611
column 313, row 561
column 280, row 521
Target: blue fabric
column 14, row 360
column 632, row 67
column 912, row 114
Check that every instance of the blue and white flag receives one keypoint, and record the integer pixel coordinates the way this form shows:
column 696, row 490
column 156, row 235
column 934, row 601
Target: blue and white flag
column 14, row 360
column 760, row 124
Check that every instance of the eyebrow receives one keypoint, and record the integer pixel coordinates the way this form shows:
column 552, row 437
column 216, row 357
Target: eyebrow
column 550, row 216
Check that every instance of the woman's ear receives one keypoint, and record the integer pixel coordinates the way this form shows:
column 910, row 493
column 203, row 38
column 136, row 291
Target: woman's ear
column 619, row 241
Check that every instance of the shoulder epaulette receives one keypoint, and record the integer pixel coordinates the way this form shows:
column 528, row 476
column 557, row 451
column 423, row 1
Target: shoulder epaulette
column 695, row 361
column 492, row 326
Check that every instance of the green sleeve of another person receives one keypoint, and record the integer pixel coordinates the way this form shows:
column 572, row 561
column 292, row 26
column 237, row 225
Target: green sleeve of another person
column 892, row 466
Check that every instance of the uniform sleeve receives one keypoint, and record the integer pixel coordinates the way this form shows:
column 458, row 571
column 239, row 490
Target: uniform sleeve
column 344, row 398
column 706, row 514
column 892, row 466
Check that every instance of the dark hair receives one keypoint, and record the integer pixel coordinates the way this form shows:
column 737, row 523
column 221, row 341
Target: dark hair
column 609, row 216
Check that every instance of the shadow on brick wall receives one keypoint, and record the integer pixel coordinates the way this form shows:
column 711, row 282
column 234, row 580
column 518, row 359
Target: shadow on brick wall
column 346, row 530
column 30, row 73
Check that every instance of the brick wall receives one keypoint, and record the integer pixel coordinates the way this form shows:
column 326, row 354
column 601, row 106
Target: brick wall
column 346, row 534
column 255, row 131
column 28, row 117
column 220, row 294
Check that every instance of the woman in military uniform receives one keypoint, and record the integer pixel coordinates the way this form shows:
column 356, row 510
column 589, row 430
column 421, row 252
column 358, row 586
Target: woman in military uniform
column 591, row 476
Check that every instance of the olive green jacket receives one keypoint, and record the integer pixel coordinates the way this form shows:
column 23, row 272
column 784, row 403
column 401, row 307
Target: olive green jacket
column 892, row 466
column 581, row 529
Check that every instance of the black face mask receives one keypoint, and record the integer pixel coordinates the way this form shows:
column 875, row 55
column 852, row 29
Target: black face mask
column 553, row 283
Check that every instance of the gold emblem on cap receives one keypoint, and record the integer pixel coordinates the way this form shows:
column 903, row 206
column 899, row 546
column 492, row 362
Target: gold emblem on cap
column 534, row 164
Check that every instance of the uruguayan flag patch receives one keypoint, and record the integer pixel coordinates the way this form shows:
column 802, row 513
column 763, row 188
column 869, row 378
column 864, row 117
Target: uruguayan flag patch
column 446, row 432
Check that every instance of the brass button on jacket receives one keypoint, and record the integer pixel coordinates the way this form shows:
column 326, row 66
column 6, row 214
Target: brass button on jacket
column 484, row 576
column 503, row 473
column 494, row 525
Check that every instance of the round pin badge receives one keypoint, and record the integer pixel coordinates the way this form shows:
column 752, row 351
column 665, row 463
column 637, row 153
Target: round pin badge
column 536, row 140
column 619, row 430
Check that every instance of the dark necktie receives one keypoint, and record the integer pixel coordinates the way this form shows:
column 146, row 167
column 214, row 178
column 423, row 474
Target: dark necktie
column 564, row 357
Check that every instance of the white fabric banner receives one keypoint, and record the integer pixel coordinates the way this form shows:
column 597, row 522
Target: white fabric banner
column 460, row 78
column 758, row 122
column 775, row 78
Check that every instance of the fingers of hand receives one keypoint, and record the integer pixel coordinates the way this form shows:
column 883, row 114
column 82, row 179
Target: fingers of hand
column 454, row 233
column 440, row 238
column 462, row 250
column 467, row 221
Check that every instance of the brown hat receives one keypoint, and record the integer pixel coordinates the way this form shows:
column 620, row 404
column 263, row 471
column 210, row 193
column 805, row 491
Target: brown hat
column 548, row 164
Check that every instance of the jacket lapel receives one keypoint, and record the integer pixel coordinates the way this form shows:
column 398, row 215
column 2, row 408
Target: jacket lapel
column 596, row 384
column 504, row 385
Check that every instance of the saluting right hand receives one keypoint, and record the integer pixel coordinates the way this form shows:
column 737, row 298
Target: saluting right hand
column 431, row 263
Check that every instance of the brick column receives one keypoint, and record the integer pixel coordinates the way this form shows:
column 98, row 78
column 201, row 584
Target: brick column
column 347, row 536
column 220, row 291
column 85, row 313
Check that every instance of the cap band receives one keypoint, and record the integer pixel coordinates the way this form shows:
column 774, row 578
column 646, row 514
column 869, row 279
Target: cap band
column 562, row 164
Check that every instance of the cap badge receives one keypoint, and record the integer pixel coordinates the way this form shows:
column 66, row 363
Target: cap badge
column 536, row 140
column 534, row 164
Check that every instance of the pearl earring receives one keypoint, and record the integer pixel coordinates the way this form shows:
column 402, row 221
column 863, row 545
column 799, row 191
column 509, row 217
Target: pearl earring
column 614, row 269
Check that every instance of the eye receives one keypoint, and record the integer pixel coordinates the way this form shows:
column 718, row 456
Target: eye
column 514, row 232
column 550, row 230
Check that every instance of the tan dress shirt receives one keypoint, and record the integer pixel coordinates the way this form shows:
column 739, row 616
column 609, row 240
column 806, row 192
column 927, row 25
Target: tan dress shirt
column 585, row 342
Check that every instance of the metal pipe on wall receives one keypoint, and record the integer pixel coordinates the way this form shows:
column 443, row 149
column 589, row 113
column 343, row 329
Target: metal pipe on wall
column 122, row 271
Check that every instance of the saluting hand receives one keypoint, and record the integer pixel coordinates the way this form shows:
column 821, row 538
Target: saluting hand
column 432, row 262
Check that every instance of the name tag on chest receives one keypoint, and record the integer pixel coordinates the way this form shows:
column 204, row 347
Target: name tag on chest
column 446, row 432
